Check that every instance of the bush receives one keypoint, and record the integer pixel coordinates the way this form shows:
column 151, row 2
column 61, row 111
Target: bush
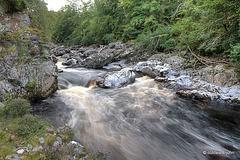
column 159, row 40
column 108, row 38
column 16, row 5
column 17, row 108
column 235, row 53
column 130, row 34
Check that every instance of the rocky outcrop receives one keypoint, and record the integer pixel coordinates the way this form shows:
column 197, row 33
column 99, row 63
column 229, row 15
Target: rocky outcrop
column 117, row 79
column 26, row 69
column 207, row 83
column 175, row 72
column 33, row 80
column 94, row 57
column 153, row 68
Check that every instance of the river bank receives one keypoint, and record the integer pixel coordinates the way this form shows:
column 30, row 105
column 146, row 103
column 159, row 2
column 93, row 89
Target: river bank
column 174, row 70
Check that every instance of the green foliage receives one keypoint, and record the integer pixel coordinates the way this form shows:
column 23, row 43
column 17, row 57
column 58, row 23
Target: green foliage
column 235, row 53
column 159, row 40
column 29, row 125
column 15, row 5
column 210, row 27
column 16, row 108
column 130, row 34
column 108, row 38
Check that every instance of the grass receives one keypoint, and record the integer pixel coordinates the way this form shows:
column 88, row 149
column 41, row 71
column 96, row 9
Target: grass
column 18, row 129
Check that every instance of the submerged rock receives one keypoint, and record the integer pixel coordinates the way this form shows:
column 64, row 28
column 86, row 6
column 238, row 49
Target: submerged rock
column 117, row 79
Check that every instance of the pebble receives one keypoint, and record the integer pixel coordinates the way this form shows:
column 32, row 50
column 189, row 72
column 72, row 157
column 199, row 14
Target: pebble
column 21, row 151
column 37, row 148
column 41, row 140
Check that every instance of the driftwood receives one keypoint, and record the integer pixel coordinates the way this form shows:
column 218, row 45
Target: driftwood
column 205, row 60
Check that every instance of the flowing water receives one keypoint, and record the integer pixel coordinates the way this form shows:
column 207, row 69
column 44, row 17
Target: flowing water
column 143, row 121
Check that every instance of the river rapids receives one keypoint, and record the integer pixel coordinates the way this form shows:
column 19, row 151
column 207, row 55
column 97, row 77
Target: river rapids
column 143, row 121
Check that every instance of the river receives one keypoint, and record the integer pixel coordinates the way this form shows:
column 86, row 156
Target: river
column 142, row 121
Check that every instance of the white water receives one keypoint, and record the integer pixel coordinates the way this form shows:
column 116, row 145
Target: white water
column 143, row 121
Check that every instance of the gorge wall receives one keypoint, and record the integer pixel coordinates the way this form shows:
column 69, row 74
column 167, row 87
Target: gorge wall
column 26, row 68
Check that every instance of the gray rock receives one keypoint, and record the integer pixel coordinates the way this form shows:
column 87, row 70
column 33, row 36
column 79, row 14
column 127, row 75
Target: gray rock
column 13, row 157
column 41, row 140
column 21, row 151
column 59, row 51
column 69, row 62
column 37, row 148
column 34, row 37
column 56, row 144
column 113, row 67
column 100, row 59
column 152, row 68
column 88, row 53
column 60, row 70
column 36, row 80
column 59, row 140
column 117, row 79
column 67, row 56
column 30, row 146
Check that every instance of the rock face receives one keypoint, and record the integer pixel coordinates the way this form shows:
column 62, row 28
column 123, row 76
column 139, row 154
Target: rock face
column 26, row 69
column 208, row 83
column 35, row 80
column 117, row 79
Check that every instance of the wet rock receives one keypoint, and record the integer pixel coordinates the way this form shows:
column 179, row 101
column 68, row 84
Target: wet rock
column 67, row 56
column 113, row 67
column 161, row 79
column 70, row 62
column 117, row 79
column 60, row 70
column 194, row 94
column 152, row 68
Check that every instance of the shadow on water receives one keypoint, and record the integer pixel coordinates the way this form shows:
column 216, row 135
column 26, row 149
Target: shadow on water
column 144, row 121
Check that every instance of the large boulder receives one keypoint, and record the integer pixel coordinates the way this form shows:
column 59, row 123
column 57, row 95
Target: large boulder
column 100, row 59
column 117, row 79
column 59, row 51
column 219, row 75
column 33, row 80
column 152, row 68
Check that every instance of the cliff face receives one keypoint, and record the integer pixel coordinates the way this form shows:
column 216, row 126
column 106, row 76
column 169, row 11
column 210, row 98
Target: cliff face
column 26, row 68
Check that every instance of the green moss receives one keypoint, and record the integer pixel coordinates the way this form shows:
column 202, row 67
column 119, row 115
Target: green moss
column 30, row 86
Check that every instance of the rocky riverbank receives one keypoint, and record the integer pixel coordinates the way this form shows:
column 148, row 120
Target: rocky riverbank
column 173, row 71
column 26, row 68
